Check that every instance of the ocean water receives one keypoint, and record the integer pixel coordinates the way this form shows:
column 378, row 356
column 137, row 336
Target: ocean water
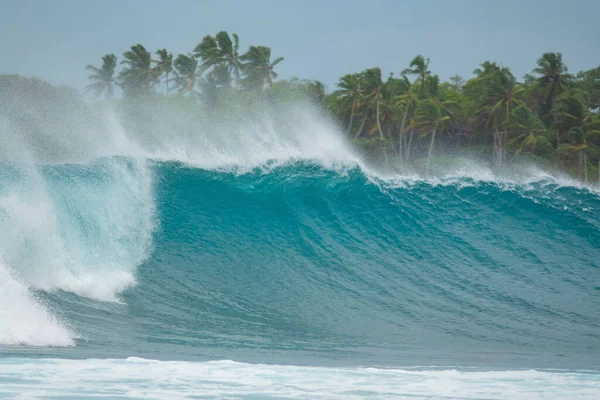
column 277, row 264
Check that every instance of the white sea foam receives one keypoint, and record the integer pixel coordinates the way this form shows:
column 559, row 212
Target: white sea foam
column 140, row 378
column 81, row 228
column 87, row 231
column 24, row 320
column 84, row 234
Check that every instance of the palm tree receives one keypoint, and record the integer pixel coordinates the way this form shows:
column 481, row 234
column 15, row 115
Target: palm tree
column 531, row 131
column 420, row 67
column 374, row 88
column 406, row 101
column 349, row 88
column 220, row 50
column 573, row 115
column 185, row 72
column 554, row 79
column 553, row 76
column 139, row 77
column 213, row 82
column 103, row 78
column 258, row 67
column 433, row 114
column 165, row 65
column 498, row 96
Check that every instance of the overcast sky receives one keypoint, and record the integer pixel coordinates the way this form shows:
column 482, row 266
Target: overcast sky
column 323, row 40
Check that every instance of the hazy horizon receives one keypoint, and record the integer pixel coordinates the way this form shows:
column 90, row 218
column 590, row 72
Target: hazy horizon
column 55, row 40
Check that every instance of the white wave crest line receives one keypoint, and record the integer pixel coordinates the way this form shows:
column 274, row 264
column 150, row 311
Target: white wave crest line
column 137, row 377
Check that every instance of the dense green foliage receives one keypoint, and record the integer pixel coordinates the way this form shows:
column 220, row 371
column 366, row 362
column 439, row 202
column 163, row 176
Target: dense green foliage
column 548, row 115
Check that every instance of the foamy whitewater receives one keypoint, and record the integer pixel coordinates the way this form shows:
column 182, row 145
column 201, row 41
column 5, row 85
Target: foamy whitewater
column 261, row 257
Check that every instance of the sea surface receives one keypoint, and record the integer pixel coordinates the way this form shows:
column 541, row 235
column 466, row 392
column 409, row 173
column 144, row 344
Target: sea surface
column 274, row 267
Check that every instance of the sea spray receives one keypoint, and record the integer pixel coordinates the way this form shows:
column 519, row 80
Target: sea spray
column 24, row 320
column 262, row 236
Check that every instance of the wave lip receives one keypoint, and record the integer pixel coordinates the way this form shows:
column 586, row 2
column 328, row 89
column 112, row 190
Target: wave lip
column 136, row 377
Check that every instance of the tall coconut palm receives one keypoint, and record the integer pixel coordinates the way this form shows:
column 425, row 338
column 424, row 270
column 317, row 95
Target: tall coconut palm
column 349, row 88
column 432, row 115
column 488, row 68
column 573, row 115
column 388, row 114
column 407, row 102
column 139, row 76
column 553, row 76
column 212, row 84
column 103, row 78
column 220, row 50
column 499, row 95
column 258, row 67
column 165, row 65
column 419, row 66
column 374, row 92
column 185, row 72
column 554, row 79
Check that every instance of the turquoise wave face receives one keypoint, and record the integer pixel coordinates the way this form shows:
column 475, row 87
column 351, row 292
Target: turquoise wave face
column 304, row 265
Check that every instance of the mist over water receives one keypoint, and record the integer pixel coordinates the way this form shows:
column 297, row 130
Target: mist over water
column 77, row 206
column 256, row 233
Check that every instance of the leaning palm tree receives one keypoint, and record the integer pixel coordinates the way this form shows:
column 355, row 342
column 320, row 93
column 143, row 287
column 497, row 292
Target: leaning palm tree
column 349, row 88
column 258, row 67
column 419, row 67
column 220, row 50
column 103, row 78
column 139, row 76
column 165, row 65
column 185, row 72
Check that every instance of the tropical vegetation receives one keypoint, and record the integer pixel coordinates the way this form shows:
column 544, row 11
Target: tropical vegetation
column 550, row 115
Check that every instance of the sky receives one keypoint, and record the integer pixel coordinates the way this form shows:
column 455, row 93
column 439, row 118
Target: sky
column 55, row 39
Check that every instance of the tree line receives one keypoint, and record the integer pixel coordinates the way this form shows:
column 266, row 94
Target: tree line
column 215, row 63
column 549, row 115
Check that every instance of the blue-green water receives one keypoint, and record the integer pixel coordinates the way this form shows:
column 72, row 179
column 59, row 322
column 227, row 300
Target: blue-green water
column 300, row 266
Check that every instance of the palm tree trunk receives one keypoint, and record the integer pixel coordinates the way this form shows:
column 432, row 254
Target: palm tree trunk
column 580, row 164
column 495, row 148
column 557, row 131
column 351, row 116
column 389, row 133
column 498, row 148
column 167, row 82
column 401, row 133
column 401, row 147
column 585, row 169
column 362, row 125
column 378, row 124
column 385, row 157
column 431, row 144
column 501, row 140
column 412, row 134
column 405, row 140
column 557, row 144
